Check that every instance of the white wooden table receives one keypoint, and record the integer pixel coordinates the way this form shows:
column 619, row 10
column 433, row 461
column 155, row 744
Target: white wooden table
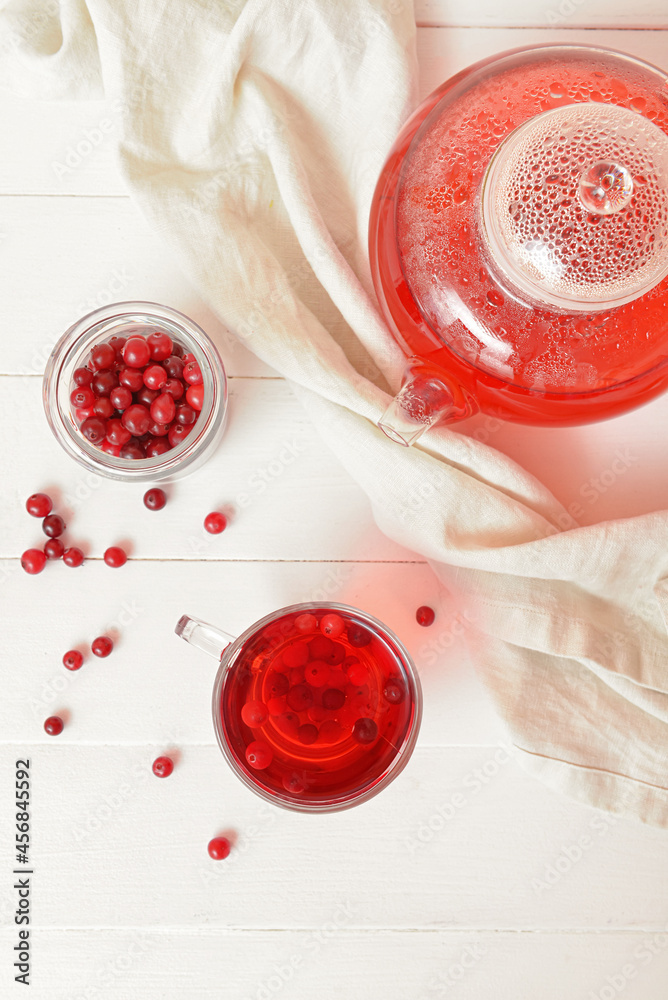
column 466, row 878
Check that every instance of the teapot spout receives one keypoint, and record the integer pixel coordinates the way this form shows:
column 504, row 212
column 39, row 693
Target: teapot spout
column 206, row 637
column 424, row 399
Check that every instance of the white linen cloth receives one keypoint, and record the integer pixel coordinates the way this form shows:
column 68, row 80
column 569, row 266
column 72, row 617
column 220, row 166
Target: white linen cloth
column 253, row 133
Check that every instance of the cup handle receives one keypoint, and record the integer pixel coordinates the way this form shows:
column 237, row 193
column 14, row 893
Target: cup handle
column 206, row 637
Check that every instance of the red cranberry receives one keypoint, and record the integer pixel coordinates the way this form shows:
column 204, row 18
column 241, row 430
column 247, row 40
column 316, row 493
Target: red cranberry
column 174, row 367
column 333, row 699
column 259, row 755
column 159, row 430
column 54, row 548
column 121, row 397
column 332, row 625
column 215, row 522
column 33, row 561
column 136, row 419
column 336, row 655
column 195, row 396
column 133, row 449
column 365, row 731
column 307, row 734
column 192, row 373
column 276, row 684
column 118, row 343
column 296, row 655
column 306, row 623
column 358, row 675
column 101, row 646
column 425, row 615
column 82, row 376
column 53, row 525
column 300, row 697
column 316, row 673
column 117, row 434
column 131, row 378
column 163, row 409
column 358, row 636
column 160, row 345
column 94, row 429
column 146, row 396
column 115, row 557
column 73, row 557
column 102, row 356
column 330, row 732
column 287, row 723
column 177, row 350
column 177, row 433
column 174, row 387
column 53, row 725
column 103, row 408
column 156, row 447
column 185, row 414
column 163, row 767
column 254, row 713
column 393, row 692
column 73, row 659
column 219, row 848
column 136, row 352
column 111, row 449
column 189, row 356
column 82, row 397
column 276, row 706
column 155, row 376
column 103, row 382
column 82, row 415
column 155, row 499
column 320, row 647
column 39, row 504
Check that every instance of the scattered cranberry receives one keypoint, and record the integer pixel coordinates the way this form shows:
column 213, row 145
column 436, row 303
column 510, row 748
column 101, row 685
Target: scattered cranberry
column 358, row 636
column 259, row 755
column 425, row 615
column 333, row 699
column 136, row 352
column 163, row 767
column 53, row 525
column 33, row 561
column 332, row 625
column 39, row 505
column 192, row 373
column 365, row 731
column 160, row 345
column 102, row 646
column 254, row 713
column 53, row 725
column 82, row 376
column 73, row 557
column 73, row 659
column 54, row 549
column 115, row 557
column 215, row 523
column 102, row 356
column 306, row 623
column 219, row 848
column 195, row 396
column 155, row 499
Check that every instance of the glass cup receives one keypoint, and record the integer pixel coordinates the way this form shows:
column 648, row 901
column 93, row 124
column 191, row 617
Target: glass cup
column 122, row 319
column 316, row 707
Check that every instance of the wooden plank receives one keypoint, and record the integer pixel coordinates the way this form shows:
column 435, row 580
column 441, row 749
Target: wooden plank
column 462, row 839
column 542, row 13
column 336, row 960
column 287, row 496
column 171, row 682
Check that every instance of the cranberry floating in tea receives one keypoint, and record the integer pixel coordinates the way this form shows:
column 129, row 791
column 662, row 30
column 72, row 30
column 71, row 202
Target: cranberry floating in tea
column 519, row 242
column 316, row 707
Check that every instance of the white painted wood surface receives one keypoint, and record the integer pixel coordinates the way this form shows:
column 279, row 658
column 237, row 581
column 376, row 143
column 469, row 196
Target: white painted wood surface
column 465, row 878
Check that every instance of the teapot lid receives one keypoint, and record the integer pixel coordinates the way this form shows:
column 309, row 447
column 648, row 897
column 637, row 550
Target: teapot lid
column 575, row 206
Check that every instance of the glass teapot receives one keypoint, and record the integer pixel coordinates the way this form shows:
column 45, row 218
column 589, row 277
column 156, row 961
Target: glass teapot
column 519, row 241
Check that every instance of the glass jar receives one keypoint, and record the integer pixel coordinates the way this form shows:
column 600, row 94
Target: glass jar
column 123, row 319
